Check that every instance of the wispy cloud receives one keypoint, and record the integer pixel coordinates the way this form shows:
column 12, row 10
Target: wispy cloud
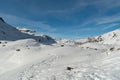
column 102, row 20
column 82, row 4
column 110, row 26
column 15, row 20
column 110, row 19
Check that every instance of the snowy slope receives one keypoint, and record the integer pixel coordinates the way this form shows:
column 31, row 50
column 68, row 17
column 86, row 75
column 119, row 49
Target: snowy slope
column 28, row 31
column 45, row 39
column 7, row 32
column 112, row 37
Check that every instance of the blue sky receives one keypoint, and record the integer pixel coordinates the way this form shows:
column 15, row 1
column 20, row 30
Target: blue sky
column 63, row 18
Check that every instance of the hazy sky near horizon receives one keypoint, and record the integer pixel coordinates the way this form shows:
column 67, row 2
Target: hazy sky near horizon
column 63, row 18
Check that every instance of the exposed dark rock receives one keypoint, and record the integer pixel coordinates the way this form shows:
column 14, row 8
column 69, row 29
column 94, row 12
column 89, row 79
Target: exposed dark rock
column 112, row 49
column 2, row 19
column 69, row 68
column 17, row 49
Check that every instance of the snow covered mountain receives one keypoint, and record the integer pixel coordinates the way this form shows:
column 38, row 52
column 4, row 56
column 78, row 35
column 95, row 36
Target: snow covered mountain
column 112, row 37
column 27, row 31
column 7, row 32
column 45, row 39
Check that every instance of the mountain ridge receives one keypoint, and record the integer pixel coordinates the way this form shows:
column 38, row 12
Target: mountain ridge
column 10, row 33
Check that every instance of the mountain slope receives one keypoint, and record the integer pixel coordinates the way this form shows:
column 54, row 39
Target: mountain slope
column 7, row 32
column 27, row 31
column 45, row 39
column 112, row 37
